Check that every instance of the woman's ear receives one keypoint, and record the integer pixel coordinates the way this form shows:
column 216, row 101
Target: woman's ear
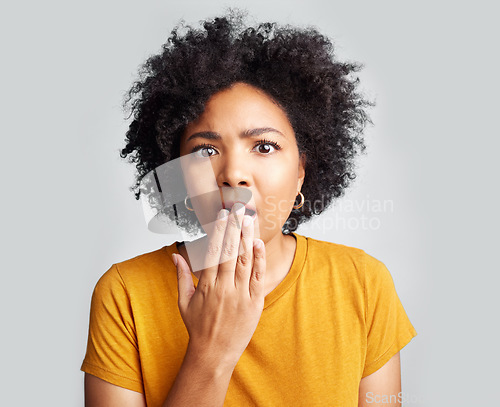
column 302, row 170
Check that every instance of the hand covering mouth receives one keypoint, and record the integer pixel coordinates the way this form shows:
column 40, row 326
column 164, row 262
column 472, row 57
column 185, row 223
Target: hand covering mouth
column 249, row 209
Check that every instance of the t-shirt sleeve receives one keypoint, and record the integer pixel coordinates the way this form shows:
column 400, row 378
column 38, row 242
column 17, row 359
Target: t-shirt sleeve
column 388, row 327
column 112, row 350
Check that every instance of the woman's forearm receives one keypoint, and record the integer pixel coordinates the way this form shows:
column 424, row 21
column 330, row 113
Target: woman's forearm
column 201, row 381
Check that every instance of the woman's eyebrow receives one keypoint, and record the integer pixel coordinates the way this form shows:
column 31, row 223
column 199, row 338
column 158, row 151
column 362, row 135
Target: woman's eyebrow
column 212, row 135
column 261, row 130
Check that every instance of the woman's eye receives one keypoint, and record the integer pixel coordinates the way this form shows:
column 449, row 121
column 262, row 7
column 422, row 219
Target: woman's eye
column 205, row 151
column 265, row 148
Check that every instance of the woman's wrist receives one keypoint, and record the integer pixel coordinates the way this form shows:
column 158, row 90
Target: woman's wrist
column 212, row 360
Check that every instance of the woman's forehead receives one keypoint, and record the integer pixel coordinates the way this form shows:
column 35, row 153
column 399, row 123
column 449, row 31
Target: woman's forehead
column 241, row 107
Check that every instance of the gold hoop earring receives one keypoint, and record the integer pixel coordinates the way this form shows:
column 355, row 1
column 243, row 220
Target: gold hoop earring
column 186, row 204
column 301, row 201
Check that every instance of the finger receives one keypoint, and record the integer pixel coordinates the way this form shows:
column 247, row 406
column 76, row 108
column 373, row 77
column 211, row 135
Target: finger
column 256, row 285
column 231, row 244
column 185, row 285
column 245, row 255
column 213, row 251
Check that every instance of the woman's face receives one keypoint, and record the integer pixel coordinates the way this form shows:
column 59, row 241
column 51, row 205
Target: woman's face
column 251, row 147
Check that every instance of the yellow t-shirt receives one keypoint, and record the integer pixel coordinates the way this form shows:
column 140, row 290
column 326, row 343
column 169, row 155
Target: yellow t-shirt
column 334, row 318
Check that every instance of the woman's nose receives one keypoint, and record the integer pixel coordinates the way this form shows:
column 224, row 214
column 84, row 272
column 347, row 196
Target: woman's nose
column 233, row 171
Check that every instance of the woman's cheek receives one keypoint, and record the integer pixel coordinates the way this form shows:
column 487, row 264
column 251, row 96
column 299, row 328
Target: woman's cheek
column 275, row 213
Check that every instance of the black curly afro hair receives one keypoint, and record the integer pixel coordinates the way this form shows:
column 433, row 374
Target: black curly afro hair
column 295, row 66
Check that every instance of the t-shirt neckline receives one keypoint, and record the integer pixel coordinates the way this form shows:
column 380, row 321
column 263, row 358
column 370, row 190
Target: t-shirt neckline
column 291, row 277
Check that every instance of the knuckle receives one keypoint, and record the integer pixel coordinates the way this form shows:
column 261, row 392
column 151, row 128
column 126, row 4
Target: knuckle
column 243, row 259
column 204, row 287
column 213, row 248
column 220, row 295
column 220, row 225
column 229, row 248
column 225, row 295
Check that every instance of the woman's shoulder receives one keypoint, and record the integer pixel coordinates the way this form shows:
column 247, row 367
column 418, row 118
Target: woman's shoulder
column 341, row 255
column 324, row 248
column 352, row 265
column 143, row 267
column 152, row 258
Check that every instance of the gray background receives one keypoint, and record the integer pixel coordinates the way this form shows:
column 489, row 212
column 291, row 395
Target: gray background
column 67, row 213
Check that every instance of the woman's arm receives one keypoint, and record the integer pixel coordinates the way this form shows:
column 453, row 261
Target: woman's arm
column 99, row 393
column 383, row 387
column 221, row 313
column 197, row 383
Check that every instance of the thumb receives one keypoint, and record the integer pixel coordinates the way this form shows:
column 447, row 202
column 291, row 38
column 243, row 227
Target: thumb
column 185, row 285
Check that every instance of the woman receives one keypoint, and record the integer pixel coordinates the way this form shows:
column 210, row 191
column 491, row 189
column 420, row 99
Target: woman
column 266, row 124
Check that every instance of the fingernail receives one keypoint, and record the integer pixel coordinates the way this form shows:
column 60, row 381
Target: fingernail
column 247, row 220
column 238, row 207
column 174, row 259
column 222, row 214
column 258, row 244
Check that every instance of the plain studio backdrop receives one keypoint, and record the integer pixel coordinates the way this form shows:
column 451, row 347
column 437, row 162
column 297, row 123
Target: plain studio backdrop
column 425, row 200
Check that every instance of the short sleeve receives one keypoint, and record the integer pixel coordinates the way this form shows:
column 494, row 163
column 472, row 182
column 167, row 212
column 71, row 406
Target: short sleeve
column 112, row 350
column 388, row 327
